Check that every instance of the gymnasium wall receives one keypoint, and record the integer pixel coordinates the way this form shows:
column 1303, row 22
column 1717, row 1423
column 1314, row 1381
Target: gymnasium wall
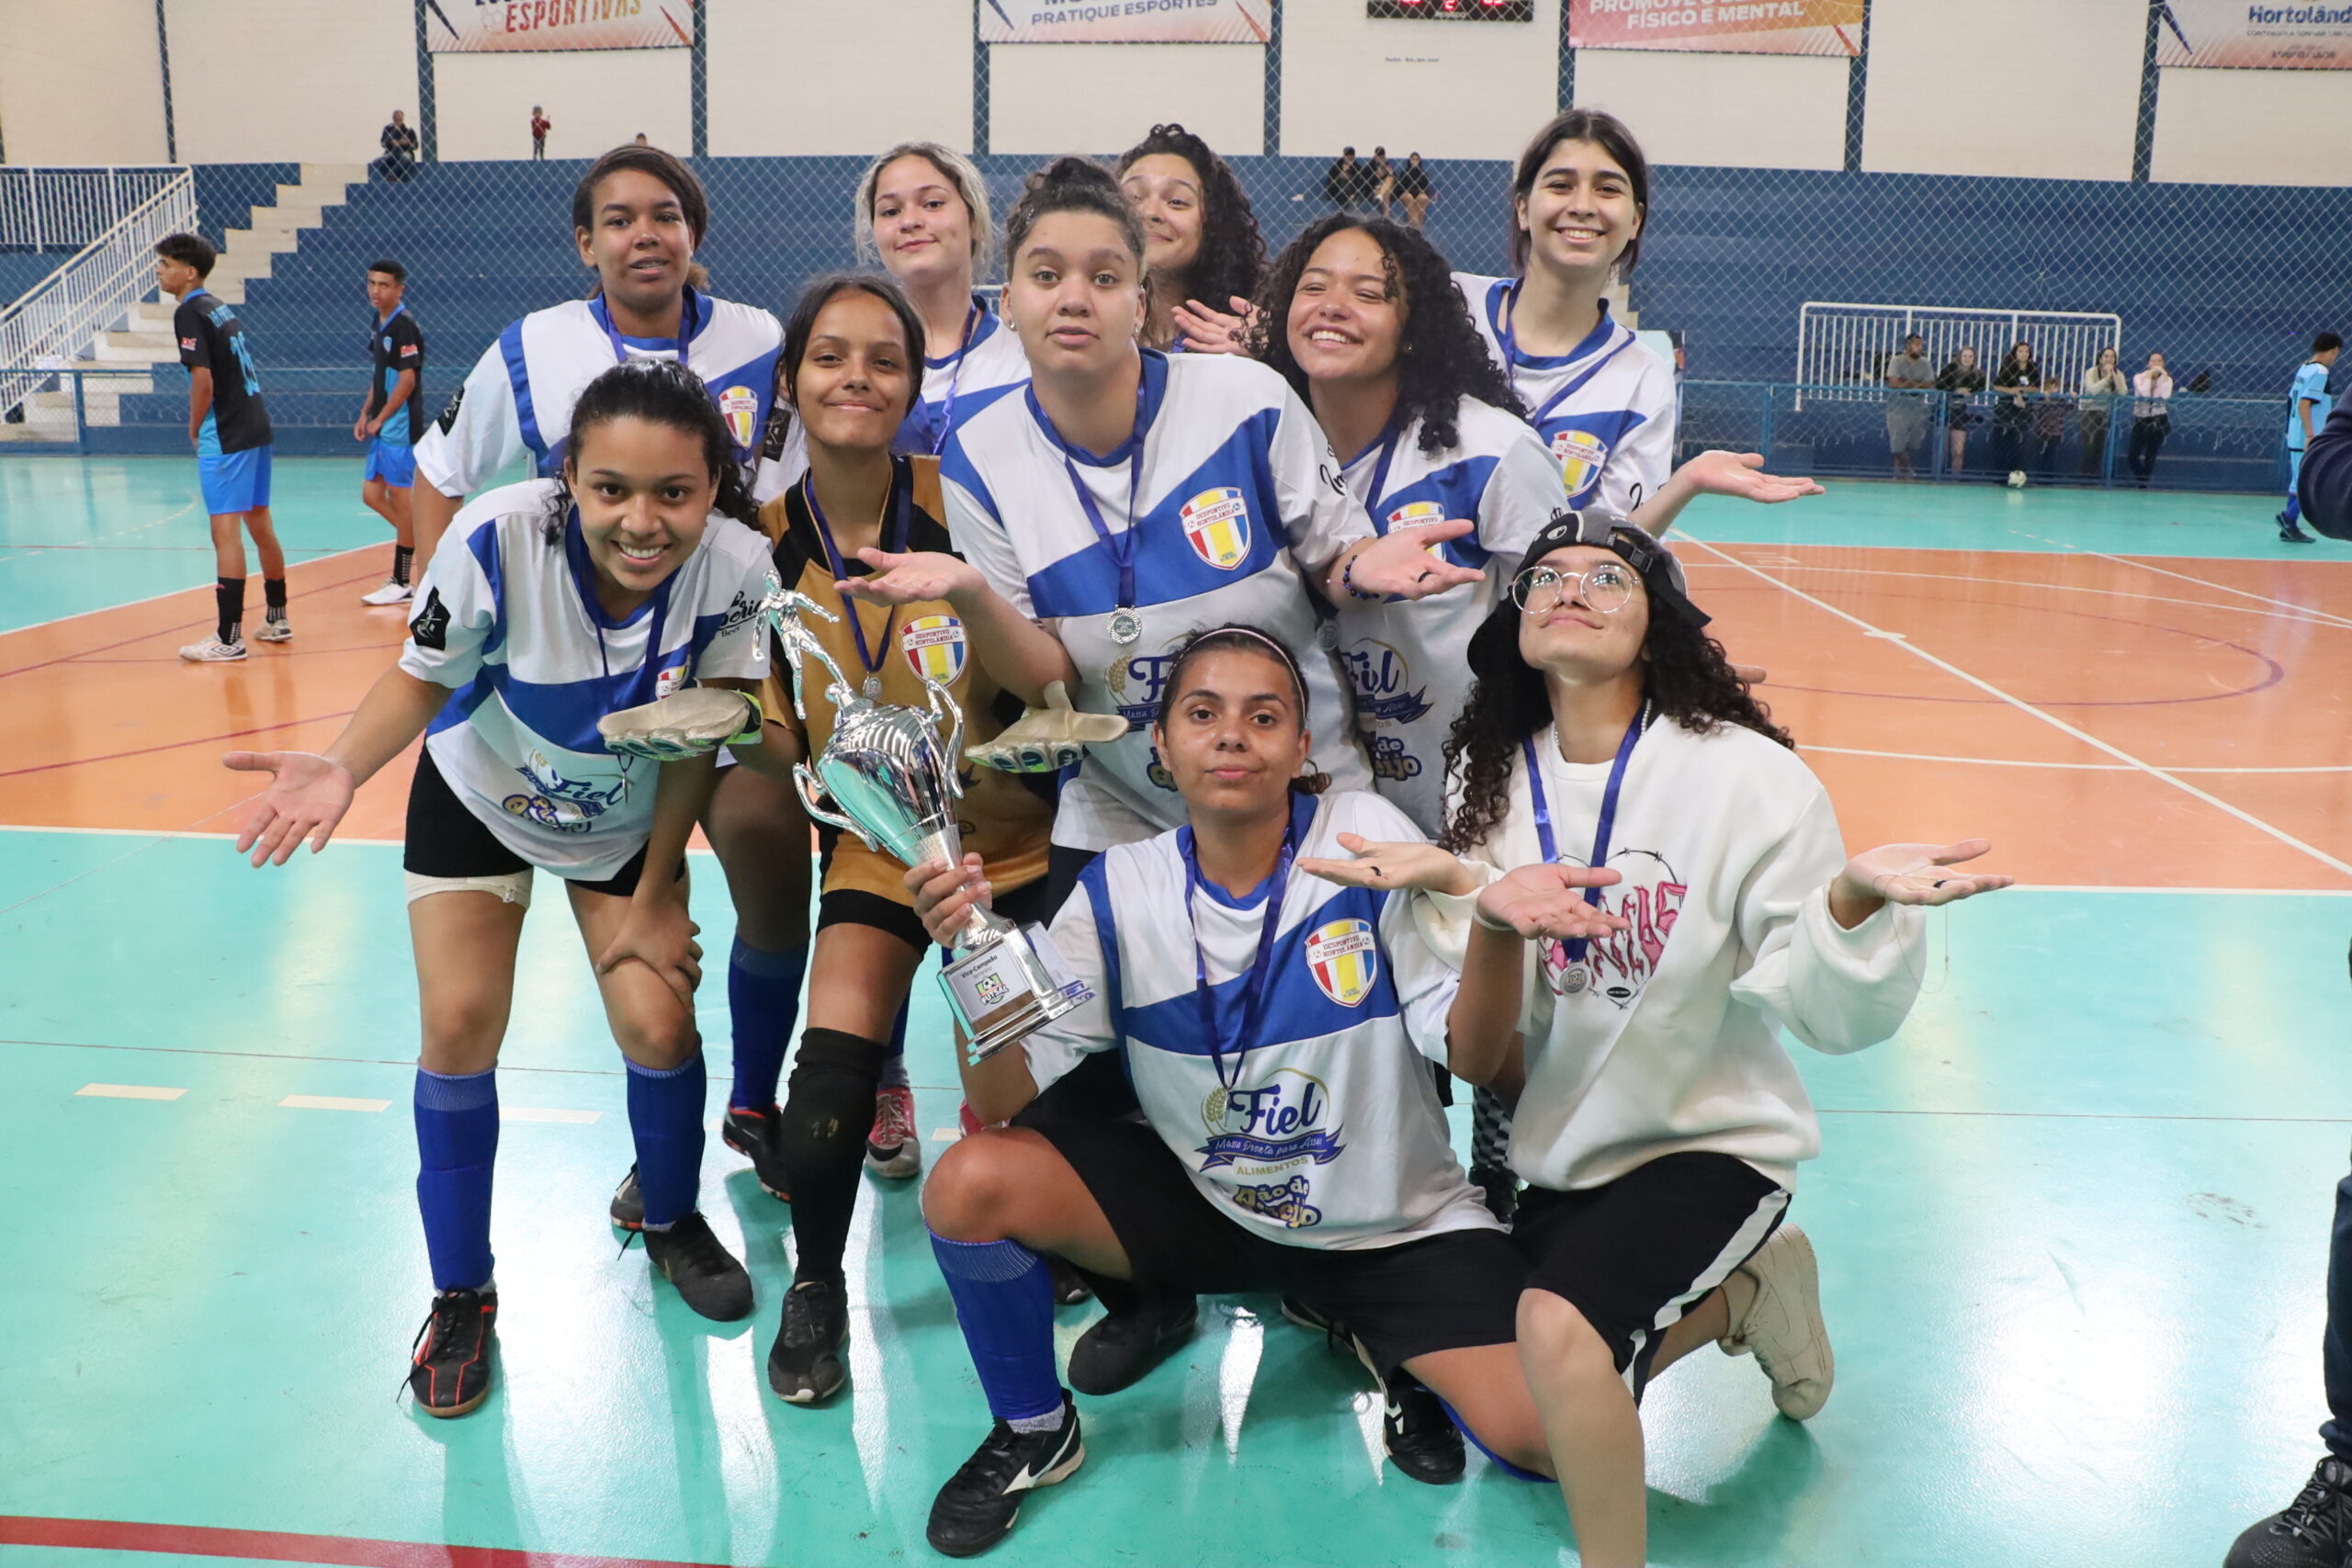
column 80, row 84
column 594, row 99
column 254, row 81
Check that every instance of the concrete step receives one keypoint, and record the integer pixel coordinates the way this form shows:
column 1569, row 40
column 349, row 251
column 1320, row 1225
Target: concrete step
column 251, row 240
column 152, row 316
column 318, row 176
column 97, row 378
column 134, row 348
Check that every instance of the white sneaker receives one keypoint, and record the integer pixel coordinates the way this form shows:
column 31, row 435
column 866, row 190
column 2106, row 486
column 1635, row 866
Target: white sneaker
column 212, row 650
column 390, row 593
column 893, row 1148
column 274, row 628
column 1782, row 1324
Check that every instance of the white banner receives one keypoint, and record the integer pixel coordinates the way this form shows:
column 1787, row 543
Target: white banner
column 2286, row 35
column 1125, row 21
column 470, row 27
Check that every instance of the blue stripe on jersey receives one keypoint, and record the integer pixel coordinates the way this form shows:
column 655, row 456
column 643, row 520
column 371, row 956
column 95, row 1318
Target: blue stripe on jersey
column 1296, row 1008
column 1594, row 341
column 562, row 713
column 956, row 467
column 1095, row 879
column 1459, row 489
column 483, row 545
column 1168, row 566
column 518, row 375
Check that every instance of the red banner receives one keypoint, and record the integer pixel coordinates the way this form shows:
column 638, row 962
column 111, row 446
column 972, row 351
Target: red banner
column 1723, row 27
column 467, row 26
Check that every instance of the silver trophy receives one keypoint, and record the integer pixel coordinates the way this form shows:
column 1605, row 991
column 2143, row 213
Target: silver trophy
column 894, row 784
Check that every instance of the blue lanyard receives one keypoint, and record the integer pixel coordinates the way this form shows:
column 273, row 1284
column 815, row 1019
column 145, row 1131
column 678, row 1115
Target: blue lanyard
column 1510, row 339
column 688, row 319
column 1268, row 926
column 947, row 408
column 1388, row 439
column 1576, row 945
column 1121, row 547
column 835, row 563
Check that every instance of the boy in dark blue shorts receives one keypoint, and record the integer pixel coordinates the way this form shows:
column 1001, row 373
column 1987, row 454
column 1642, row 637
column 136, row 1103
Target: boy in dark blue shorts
column 230, row 430
column 391, row 420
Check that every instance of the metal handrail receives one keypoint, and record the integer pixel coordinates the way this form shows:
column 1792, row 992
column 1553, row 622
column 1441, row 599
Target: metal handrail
column 60, row 314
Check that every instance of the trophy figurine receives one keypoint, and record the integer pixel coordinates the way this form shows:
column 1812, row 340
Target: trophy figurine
column 893, row 783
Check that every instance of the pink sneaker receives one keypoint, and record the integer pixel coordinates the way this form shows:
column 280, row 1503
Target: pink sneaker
column 894, row 1148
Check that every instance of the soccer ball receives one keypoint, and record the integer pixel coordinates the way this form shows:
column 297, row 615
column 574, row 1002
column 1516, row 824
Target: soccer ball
column 2016, row 479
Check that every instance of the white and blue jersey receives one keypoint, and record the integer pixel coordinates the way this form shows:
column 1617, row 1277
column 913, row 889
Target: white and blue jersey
column 2310, row 384
column 518, row 399
column 1326, row 1129
column 511, row 622
column 1237, row 502
column 1408, row 662
column 1607, row 406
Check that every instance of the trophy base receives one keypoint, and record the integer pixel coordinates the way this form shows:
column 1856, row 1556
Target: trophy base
column 1006, row 989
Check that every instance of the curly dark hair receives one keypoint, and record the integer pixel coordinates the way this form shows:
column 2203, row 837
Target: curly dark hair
column 1232, row 257
column 1235, row 637
column 1440, row 357
column 1684, row 674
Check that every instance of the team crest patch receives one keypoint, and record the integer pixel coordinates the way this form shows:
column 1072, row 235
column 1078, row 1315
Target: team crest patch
column 1217, row 524
column 1581, row 455
column 1419, row 514
column 935, row 646
column 740, row 408
column 668, row 681
column 1343, row 960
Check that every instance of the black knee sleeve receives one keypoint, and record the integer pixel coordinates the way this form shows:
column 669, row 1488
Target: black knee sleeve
column 820, row 1132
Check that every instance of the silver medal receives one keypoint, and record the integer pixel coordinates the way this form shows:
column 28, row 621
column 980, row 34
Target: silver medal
column 1573, row 979
column 873, row 687
column 1127, row 626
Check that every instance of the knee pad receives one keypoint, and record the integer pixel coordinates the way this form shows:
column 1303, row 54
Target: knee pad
column 828, row 1106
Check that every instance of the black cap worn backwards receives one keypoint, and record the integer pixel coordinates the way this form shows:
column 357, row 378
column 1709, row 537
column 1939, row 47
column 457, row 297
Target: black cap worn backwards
column 1660, row 572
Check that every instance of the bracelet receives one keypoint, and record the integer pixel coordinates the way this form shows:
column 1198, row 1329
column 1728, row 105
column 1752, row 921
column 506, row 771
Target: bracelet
column 1348, row 581
column 750, row 734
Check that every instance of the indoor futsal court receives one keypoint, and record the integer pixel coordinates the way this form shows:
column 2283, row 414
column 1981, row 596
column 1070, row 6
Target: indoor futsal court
column 2069, row 1224
column 1419, row 510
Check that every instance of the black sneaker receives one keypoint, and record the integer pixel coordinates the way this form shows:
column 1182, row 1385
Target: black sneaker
column 627, row 1207
column 1414, row 1426
column 1421, row 1438
column 449, row 1359
column 977, row 1507
column 751, row 1134
column 2313, row 1531
column 707, row 1275
column 805, row 1363
column 1069, row 1288
column 1499, row 1188
column 1120, row 1348
column 2291, row 533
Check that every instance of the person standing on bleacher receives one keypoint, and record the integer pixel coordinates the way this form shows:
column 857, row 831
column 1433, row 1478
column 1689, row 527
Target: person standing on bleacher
column 541, row 125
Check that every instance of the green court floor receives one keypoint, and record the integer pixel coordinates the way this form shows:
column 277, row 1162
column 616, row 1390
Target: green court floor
column 2073, row 1222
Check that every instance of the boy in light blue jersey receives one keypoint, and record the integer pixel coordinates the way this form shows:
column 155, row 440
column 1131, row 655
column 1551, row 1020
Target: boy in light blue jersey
column 2307, row 409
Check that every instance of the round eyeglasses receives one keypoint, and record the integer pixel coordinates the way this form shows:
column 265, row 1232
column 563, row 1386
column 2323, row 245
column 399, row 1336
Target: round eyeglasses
column 1604, row 588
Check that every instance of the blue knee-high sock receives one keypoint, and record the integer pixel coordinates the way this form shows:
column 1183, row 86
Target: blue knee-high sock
column 457, row 1143
column 894, row 1061
column 1492, row 1458
column 2294, row 510
column 665, row 1117
column 1005, row 1301
column 763, row 1000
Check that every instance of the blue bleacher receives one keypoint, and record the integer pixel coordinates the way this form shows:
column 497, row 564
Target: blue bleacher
column 20, row 269
column 1729, row 256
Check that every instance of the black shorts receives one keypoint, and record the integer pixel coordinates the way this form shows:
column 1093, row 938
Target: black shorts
column 1635, row 1254
column 445, row 839
column 861, row 907
column 1441, row 1292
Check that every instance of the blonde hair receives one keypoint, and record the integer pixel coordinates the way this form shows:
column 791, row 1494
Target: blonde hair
column 957, row 170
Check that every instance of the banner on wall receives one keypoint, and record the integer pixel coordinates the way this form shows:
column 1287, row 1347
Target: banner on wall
column 1722, row 26
column 475, row 26
column 1125, row 21
column 2247, row 34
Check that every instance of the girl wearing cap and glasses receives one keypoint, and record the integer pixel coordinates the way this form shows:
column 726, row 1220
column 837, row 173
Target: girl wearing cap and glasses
column 1659, row 1120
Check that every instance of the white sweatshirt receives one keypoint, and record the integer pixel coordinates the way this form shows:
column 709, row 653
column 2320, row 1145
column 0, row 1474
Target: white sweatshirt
column 1727, row 845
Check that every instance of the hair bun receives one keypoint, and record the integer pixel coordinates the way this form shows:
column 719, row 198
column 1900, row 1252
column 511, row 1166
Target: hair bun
column 1072, row 172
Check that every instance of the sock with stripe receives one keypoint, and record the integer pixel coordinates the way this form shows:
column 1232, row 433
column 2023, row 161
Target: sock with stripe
column 763, row 1000
column 665, row 1117
column 402, row 556
column 229, row 603
column 1005, row 1302
column 457, row 1144
column 272, row 597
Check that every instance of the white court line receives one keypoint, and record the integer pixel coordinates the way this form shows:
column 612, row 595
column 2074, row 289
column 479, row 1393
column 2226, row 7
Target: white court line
column 330, row 1102
column 2204, row 582
column 129, row 1092
column 542, row 1113
column 2076, row 767
column 2248, row 817
column 2304, row 613
column 129, row 604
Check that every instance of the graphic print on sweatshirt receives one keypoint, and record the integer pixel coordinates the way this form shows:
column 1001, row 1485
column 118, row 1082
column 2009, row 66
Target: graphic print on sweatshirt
column 1617, row 965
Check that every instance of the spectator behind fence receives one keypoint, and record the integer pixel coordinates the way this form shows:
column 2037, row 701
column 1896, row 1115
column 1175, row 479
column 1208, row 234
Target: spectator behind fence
column 2103, row 383
column 2020, row 374
column 1342, row 184
column 399, row 142
column 1381, row 175
column 2150, row 416
column 1959, row 381
column 1906, row 410
column 541, row 125
column 1413, row 190
column 2307, row 406
column 2049, row 411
